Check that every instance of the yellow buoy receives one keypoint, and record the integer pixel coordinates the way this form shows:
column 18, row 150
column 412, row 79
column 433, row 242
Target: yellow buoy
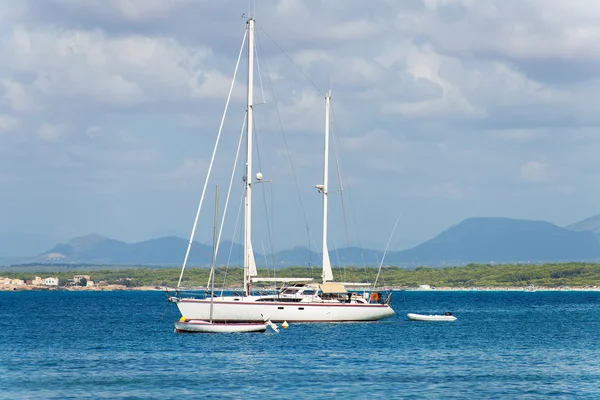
column 182, row 319
column 285, row 324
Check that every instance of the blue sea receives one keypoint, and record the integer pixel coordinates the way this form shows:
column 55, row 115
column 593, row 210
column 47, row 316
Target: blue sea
column 121, row 345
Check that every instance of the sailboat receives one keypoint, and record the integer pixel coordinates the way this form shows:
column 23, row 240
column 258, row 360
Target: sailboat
column 211, row 326
column 300, row 300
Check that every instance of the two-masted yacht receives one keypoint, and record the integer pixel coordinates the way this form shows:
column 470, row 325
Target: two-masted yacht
column 299, row 300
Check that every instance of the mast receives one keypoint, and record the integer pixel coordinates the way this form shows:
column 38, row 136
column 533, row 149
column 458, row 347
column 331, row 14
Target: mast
column 327, row 273
column 248, row 177
column 214, row 256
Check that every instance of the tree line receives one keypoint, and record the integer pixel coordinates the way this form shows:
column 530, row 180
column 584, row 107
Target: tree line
column 573, row 274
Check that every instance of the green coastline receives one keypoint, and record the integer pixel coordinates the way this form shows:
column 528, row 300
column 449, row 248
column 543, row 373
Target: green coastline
column 501, row 276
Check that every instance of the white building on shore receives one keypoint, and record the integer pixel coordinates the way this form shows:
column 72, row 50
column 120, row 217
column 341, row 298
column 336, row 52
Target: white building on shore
column 11, row 282
column 51, row 281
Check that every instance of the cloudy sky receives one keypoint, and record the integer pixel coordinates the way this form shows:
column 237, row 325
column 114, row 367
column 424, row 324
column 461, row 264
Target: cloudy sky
column 443, row 110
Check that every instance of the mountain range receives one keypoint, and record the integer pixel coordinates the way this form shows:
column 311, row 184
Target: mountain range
column 498, row 240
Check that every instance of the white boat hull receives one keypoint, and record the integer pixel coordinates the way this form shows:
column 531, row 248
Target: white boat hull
column 200, row 326
column 246, row 310
column 420, row 317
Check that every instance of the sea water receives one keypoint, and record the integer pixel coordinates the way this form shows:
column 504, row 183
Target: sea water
column 121, row 345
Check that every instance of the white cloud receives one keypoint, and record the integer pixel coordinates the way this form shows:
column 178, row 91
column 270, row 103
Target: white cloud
column 51, row 132
column 93, row 67
column 447, row 190
column 8, row 123
column 126, row 10
column 190, row 172
column 303, row 111
column 529, row 29
column 517, row 135
column 374, row 142
column 534, row 171
column 17, row 97
column 91, row 131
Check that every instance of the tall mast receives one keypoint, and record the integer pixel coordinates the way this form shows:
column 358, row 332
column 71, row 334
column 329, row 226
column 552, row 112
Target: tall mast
column 248, row 178
column 214, row 256
column 327, row 273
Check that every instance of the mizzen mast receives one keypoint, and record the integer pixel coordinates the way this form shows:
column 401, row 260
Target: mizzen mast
column 324, row 189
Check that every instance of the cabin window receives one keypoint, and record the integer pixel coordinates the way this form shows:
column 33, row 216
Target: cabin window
column 309, row 292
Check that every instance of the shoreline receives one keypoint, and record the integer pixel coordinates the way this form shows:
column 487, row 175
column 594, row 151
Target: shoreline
column 110, row 288
column 506, row 289
column 107, row 288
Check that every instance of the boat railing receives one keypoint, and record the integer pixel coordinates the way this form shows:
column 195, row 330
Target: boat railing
column 200, row 293
column 388, row 299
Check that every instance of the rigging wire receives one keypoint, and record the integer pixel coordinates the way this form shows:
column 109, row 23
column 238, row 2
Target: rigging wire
column 291, row 60
column 270, row 226
column 352, row 209
column 287, row 149
column 212, row 160
column 337, row 255
column 237, row 156
column 265, row 255
column 334, row 140
column 270, row 223
column 262, row 90
column 237, row 222
column 340, row 183
column 386, row 249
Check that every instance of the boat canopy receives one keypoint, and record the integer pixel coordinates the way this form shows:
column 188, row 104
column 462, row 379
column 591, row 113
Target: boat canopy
column 332, row 287
column 357, row 284
column 285, row 280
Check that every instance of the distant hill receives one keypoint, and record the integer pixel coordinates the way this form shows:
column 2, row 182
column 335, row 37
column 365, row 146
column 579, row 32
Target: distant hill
column 591, row 224
column 472, row 240
column 298, row 255
column 96, row 249
column 502, row 240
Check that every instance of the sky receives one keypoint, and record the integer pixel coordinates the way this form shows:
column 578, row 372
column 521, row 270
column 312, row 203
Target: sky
column 442, row 110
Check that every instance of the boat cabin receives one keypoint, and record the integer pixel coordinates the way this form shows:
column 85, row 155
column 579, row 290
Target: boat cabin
column 329, row 292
